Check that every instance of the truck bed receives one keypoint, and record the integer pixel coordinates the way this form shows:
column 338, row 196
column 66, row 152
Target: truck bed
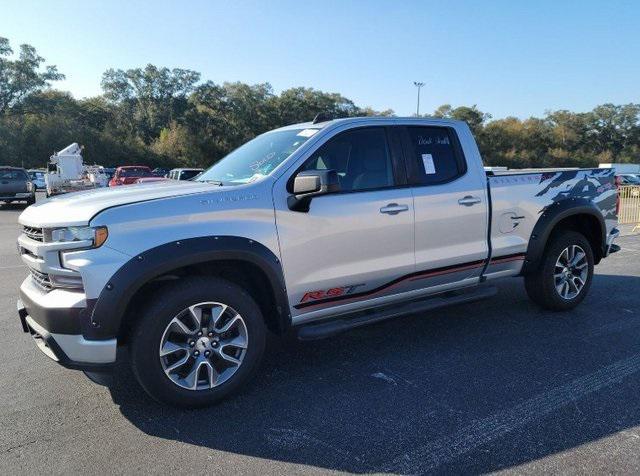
column 520, row 197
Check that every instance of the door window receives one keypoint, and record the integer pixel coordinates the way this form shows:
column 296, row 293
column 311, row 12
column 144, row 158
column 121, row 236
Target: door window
column 360, row 157
column 435, row 155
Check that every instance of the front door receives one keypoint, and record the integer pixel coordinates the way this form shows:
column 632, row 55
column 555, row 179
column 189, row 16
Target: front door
column 349, row 250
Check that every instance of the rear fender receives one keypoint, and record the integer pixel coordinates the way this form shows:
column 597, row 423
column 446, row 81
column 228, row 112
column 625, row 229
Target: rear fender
column 547, row 222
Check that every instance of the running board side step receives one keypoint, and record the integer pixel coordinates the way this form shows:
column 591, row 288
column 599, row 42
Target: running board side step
column 350, row 321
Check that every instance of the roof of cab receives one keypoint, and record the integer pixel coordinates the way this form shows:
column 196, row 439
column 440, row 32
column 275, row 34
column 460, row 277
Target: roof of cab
column 369, row 119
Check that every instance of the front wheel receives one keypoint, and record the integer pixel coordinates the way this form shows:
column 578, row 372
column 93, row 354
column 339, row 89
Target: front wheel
column 565, row 273
column 198, row 342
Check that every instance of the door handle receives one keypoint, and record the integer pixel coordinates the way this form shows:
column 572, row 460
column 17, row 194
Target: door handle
column 394, row 209
column 469, row 201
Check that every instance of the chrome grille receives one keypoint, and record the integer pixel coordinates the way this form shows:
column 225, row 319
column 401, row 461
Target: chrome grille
column 34, row 233
column 42, row 280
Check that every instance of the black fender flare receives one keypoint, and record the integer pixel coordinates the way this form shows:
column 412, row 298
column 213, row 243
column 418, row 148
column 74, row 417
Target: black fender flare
column 109, row 309
column 550, row 217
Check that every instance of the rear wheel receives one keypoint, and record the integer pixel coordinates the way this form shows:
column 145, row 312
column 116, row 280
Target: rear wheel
column 198, row 342
column 565, row 273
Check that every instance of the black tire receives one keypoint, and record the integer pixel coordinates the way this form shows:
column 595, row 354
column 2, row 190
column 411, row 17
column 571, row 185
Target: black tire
column 168, row 302
column 541, row 283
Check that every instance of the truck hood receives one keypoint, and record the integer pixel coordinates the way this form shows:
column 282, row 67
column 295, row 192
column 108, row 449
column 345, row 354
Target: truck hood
column 77, row 209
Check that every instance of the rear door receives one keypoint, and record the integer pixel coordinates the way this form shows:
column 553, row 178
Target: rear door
column 451, row 209
column 351, row 248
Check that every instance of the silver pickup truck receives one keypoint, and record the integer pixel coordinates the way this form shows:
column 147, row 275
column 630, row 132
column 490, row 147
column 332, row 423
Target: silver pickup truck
column 310, row 229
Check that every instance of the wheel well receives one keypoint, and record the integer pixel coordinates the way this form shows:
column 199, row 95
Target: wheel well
column 589, row 226
column 242, row 273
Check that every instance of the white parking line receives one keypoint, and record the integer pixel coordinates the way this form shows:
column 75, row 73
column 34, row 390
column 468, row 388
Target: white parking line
column 484, row 431
column 13, row 267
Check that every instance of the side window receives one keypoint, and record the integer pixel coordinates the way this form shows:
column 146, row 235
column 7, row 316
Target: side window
column 435, row 154
column 360, row 157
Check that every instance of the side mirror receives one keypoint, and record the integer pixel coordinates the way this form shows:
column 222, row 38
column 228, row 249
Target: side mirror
column 309, row 184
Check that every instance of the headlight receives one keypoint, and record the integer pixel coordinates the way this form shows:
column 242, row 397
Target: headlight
column 98, row 235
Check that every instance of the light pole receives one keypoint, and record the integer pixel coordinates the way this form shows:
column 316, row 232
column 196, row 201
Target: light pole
column 418, row 85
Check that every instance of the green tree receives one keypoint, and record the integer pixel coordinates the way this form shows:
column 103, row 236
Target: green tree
column 22, row 76
column 150, row 98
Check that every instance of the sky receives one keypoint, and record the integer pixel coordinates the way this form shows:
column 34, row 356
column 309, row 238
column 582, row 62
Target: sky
column 510, row 58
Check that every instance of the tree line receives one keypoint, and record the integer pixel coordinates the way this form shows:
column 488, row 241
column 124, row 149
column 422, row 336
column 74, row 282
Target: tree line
column 171, row 117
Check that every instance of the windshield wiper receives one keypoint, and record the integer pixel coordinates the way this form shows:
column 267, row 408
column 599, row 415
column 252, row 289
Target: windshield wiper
column 214, row 182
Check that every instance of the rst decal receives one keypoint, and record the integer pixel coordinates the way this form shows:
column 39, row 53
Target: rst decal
column 328, row 293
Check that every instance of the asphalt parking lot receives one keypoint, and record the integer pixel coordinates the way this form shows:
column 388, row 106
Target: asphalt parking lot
column 492, row 386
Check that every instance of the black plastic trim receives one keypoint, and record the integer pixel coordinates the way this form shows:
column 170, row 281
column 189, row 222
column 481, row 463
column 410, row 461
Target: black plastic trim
column 345, row 322
column 550, row 217
column 112, row 303
column 60, row 357
column 56, row 320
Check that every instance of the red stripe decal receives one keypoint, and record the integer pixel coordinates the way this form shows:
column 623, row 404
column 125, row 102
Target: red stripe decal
column 392, row 284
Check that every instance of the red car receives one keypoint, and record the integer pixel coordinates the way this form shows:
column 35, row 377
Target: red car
column 128, row 174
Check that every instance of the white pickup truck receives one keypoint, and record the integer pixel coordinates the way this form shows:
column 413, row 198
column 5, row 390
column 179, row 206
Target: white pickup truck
column 309, row 229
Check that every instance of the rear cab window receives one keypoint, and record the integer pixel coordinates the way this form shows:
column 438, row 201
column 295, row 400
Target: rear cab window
column 434, row 155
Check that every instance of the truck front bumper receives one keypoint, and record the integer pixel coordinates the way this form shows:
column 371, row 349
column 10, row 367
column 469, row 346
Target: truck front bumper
column 17, row 196
column 54, row 320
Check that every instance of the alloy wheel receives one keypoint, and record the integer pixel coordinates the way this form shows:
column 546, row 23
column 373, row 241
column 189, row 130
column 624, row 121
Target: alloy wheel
column 571, row 272
column 203, row 346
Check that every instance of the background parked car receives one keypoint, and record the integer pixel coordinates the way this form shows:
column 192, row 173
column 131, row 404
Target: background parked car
column 109, row 172
column 184, row 174
column 160, row 172
column 627, row 179
column 37, row 178
column 15, row 185
column 128, row 174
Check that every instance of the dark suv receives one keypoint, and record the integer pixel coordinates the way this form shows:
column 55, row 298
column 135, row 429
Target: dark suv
column 15, row 185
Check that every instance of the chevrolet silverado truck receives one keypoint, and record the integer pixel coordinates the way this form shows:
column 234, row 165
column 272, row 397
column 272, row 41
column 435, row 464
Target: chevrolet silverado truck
column 307, row 230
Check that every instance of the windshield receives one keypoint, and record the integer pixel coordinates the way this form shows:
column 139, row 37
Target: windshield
column 12, row 174
column 256, row 158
